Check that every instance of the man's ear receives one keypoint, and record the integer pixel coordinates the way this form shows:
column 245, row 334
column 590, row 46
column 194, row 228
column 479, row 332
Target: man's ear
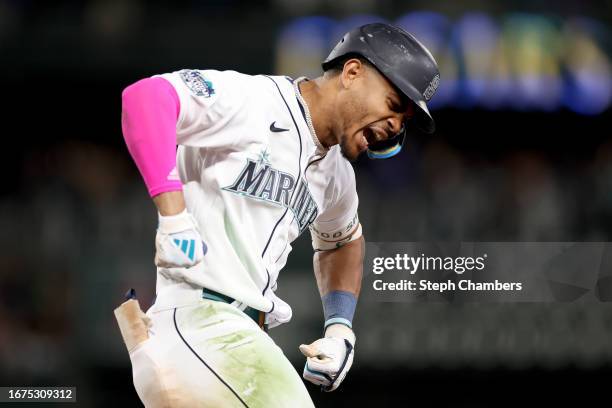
column 353, row 69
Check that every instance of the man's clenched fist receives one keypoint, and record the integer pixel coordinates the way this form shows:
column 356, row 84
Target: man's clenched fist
column 329, row 359
column 178, row 242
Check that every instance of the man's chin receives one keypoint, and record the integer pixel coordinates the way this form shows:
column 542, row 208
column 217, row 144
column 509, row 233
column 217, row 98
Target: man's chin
column 350, row 154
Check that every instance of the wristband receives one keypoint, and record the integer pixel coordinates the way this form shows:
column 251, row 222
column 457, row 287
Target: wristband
column 339, row 307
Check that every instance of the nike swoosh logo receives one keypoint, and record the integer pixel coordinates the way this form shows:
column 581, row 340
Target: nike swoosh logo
column 273, row 128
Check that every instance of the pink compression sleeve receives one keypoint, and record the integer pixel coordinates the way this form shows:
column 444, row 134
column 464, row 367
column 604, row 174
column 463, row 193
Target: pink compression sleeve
column 150, row 112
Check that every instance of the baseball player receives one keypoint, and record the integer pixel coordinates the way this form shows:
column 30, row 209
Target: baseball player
column 260, row 160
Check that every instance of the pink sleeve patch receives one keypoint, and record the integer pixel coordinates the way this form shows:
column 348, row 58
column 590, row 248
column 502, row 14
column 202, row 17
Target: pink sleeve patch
column 150, row 111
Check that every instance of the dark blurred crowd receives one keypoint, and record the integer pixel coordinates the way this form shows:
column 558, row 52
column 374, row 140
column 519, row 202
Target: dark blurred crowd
column 439, row 194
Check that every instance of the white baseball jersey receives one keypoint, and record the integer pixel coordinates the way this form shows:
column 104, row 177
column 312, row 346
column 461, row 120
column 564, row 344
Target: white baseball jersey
column 254, row 178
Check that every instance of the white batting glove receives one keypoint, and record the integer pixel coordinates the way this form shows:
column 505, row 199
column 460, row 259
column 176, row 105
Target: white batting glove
column 178, row 242
column 280, row 314
column 329, row 359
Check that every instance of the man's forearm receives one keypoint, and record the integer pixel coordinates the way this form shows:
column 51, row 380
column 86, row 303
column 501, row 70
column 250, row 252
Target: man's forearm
column 170, row 203
column 340, row 269
column 338, row 272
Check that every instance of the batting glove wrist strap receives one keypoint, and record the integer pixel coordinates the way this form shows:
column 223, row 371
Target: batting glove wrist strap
column 170, row 224
column 340, row 331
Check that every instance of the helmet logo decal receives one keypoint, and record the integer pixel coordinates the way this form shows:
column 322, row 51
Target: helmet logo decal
column 431, row 88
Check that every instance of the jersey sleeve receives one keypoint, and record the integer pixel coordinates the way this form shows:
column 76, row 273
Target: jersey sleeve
column 209, row 101
column 338, row 224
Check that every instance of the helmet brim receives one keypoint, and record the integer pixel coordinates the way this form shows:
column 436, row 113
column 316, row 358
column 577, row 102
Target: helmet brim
column 423, row 118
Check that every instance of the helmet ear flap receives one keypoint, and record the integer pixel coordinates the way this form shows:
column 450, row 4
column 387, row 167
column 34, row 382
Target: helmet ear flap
column 388, row 148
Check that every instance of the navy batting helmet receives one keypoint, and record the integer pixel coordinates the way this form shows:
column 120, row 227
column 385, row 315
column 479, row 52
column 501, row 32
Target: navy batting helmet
column 404, row 61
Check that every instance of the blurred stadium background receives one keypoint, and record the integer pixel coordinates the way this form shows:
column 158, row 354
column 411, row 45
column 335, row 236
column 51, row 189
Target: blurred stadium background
column 522, row 153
